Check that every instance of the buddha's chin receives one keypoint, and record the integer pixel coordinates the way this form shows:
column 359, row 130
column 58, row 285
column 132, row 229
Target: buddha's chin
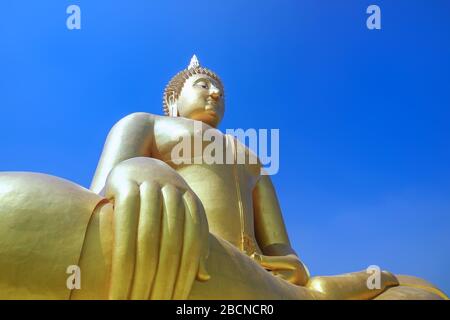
column 208, row 117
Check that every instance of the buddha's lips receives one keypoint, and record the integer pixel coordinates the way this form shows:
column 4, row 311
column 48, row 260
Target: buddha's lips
column 212, row 102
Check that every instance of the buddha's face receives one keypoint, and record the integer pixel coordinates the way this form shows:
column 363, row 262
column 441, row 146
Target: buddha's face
column 201, row 99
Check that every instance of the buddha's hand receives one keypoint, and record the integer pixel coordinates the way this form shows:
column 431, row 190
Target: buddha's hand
column 288, row 267
column 160, row 232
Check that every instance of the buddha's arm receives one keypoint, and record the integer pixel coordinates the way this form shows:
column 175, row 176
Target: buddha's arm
column 130, row 137
column 272, row 236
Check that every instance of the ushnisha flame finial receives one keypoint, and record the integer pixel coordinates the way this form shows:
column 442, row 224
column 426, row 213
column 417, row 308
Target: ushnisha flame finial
column 194, row 63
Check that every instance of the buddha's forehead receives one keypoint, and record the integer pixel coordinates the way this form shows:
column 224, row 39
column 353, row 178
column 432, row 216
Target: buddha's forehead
column 199, row 77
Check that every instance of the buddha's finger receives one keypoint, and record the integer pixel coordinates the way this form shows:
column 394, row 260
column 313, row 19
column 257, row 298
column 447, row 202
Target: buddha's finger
column 274, row 263
column 300, row 275
column 126, row 215
column 192, row 248
column 148, row 240
column 171, row 243
column 289, row 267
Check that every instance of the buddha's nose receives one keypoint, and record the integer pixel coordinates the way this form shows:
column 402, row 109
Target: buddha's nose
column 215, row 95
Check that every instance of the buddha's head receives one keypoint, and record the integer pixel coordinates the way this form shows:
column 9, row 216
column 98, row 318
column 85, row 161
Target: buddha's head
column 195, row 93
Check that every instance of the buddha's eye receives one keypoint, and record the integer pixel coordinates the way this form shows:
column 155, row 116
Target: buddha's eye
column 202, row 84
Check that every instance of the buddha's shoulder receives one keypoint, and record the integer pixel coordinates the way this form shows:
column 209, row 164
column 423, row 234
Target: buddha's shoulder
column 135, row 119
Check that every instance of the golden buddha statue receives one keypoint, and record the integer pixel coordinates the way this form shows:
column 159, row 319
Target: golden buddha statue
column 154, row 228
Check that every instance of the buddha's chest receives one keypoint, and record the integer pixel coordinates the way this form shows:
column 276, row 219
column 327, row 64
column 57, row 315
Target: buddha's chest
column 182, row 143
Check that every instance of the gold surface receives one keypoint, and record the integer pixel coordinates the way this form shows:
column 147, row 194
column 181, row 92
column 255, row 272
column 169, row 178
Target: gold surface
column 151, row 228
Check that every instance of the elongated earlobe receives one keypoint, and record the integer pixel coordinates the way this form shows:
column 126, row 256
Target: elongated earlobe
column 173, row 110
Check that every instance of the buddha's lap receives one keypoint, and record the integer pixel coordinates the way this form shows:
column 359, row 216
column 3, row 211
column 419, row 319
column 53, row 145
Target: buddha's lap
column 43, row 223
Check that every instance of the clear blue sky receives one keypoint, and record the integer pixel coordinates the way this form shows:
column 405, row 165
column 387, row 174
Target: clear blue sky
column 363, row 115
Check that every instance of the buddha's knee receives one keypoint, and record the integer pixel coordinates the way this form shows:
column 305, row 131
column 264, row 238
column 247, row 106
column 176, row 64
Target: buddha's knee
column 43, row 221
